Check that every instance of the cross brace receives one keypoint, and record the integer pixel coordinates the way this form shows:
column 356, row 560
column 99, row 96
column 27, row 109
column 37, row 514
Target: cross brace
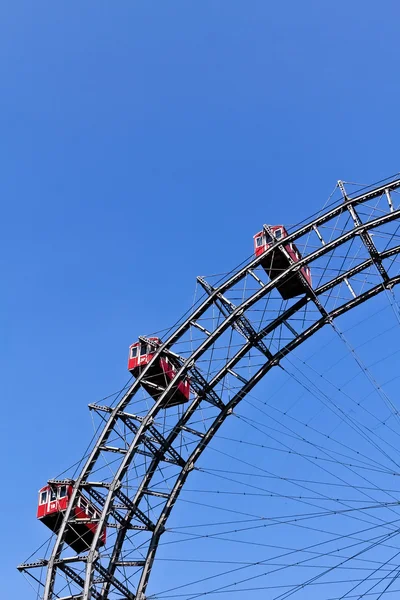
column 111, row 579
column 154, row 451
column 136, row 510
column 118, row 517
column 242, row 324
column 197, row 382
column 365, row 236
column 77, row 579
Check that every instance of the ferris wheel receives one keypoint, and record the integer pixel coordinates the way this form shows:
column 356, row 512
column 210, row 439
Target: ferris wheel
column 326, row 511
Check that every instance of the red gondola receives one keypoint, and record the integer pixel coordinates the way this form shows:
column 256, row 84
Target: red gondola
column 277, row 262
column 160, row 374
column 53, row 502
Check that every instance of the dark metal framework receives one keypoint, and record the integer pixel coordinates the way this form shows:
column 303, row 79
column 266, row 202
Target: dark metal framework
column 351, row 250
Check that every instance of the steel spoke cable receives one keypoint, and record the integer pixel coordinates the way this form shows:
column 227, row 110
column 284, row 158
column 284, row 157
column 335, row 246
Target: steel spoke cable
column 275, row 477
column 377, row 540
column 346, row 483
column 296, row 484
column 276, row 495
column 305, row 516
column 313, row 383
column 368, row 577
column 225, row 386
column 380, row 581
column 362, row 321
column 298, row 437
column 313, row 505
column 328, row 402
column 257, row 427
column 274, row 587
column 259, row 588
column 372, row 380
column 308, row 428
column 252, row 564
column 320, row 554
column 286, row 595
column 320, row 575
column 388, row 402
column 359, row 404
column 190, row 537
column 389, row 585
column 293, row 520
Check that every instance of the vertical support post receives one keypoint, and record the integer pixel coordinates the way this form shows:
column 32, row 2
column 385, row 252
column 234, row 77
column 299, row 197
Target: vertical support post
column 342, row 189
column 389, row 199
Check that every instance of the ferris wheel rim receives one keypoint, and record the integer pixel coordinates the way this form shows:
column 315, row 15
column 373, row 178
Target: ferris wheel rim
column 53, row 563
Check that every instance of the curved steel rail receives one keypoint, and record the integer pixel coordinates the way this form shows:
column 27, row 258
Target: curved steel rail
column 365, row 267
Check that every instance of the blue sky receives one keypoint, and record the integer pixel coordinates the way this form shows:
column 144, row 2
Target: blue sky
column 142, row 144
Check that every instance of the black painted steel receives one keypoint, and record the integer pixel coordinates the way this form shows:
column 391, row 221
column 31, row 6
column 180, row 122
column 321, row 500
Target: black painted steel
column 121, row 508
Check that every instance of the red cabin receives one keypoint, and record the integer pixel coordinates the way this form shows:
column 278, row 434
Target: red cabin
column 53, row 502
column 161, row 372
column 276, row 262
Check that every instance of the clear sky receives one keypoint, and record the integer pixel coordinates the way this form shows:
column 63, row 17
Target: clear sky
column 142, row 144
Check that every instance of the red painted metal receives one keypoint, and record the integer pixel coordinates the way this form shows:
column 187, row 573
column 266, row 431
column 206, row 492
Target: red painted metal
column 161, row 373
column 53, row 502
column 276, row 262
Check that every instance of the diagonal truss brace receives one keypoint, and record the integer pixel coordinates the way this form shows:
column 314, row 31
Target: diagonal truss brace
column 365, row 236
column 76, row 579
column 135, row 509
column 49, row 588
column 242, row 324
column 147, row 441
column 118, row 517
column 125, row 500
column 111, row 579
column 197, row 382
column 203, row 390
column 154, row 451
column 308, row 288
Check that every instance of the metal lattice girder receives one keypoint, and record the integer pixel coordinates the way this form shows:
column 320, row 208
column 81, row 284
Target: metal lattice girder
column 197, row 381
column 146, row 436
column 117, row 584
column 37, row 564
column 203, row 390
column 147, row 440
column 99, row 500
column 365, row 236
column 242, row 324
column 76, row 578
column 129, row 505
